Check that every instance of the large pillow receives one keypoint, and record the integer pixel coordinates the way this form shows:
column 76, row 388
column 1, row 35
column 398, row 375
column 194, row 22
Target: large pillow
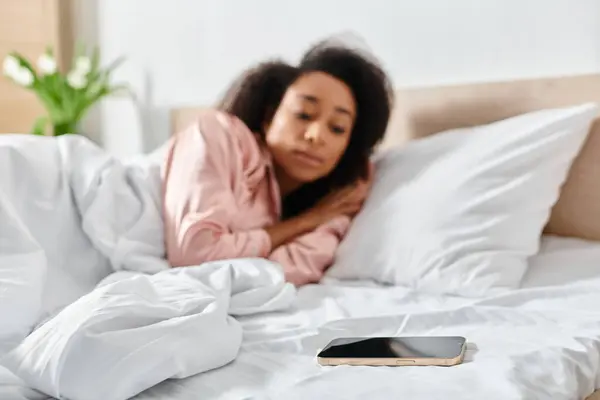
column 460, row 212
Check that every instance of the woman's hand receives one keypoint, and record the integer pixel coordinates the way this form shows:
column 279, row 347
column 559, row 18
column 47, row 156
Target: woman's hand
column 346, row 201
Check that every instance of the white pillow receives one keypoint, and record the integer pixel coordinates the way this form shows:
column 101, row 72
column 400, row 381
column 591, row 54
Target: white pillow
column 461, row 211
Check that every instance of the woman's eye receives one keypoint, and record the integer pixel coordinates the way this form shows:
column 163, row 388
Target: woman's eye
column 304, row 116
column 338, row 129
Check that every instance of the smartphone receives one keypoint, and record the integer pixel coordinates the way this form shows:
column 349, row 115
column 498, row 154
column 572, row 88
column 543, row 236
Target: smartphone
column 393, row 351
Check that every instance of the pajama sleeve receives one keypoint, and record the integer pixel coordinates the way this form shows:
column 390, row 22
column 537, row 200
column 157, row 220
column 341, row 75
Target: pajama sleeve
column 306, row 258
column 200, row 171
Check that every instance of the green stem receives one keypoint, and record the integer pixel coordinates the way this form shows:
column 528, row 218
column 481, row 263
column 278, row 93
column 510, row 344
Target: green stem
column 64, row 128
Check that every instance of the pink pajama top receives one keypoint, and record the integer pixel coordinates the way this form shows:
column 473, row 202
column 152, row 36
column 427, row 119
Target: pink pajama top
column 220, row 193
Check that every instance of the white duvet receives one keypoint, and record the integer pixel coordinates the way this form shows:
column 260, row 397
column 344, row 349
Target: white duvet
column 89, row 309
column 78, row 319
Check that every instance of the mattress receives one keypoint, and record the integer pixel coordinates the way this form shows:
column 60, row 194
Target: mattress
column 540, row 342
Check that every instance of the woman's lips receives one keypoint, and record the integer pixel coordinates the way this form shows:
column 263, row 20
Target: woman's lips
column 307, row 158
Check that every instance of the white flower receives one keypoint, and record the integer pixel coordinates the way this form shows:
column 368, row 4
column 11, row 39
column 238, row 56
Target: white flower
column 47, row 64
column 23, row 77
column 11, row 66
column 83, row 65
column 76, row 79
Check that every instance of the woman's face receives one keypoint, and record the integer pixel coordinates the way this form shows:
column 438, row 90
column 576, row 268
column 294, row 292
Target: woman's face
column 311, row 128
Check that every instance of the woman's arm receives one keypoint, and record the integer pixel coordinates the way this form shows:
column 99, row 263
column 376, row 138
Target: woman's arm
column 290, row 229
column 199, row 200
column 306, row 258
column 345, row 201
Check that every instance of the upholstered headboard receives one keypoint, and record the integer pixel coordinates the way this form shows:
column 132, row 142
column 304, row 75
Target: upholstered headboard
column 423, row 111
column 420, row 112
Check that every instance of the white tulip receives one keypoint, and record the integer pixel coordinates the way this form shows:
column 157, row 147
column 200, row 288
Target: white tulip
column 11, row 66
column 83, row 65
column 47, row 64
column 23, row 77
column 76, row 79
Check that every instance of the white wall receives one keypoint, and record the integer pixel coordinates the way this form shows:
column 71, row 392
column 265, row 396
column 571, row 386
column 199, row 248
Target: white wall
column 184, row 52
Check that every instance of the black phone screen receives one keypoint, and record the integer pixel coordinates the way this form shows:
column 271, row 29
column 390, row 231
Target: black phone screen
column 395, row 347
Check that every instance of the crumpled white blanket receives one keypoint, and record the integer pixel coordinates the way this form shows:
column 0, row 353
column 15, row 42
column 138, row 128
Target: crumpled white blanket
column 88, row 306
column 70, row 215
column 139, row 330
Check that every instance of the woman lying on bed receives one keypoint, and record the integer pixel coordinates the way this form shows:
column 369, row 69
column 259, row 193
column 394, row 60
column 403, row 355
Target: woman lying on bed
column 280, row 167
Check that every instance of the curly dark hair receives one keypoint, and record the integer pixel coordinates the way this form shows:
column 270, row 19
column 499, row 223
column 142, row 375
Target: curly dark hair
column 256, row 94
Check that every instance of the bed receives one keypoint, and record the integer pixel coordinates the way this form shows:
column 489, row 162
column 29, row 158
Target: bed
column 281, row 363
column 541, row 341
column 278, row 359
column 421, row 112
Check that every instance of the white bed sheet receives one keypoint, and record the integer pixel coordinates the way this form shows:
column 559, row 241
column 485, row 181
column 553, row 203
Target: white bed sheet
column 563, row 260
column 542, row 341
column 11, row 388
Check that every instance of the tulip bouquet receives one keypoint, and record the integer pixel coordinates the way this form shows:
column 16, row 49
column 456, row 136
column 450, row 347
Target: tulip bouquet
column 66, row 97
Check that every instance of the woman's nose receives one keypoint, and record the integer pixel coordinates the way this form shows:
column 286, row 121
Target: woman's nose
column 315, row 133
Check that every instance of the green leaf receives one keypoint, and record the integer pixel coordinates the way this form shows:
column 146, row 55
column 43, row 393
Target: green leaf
column 113, row 65
column 68, row 95
column 100, row 78
column 57, row 88
column 117, row 89
column 47, row 83
column 64, row 128
column 55, row 112
column 39, row 127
